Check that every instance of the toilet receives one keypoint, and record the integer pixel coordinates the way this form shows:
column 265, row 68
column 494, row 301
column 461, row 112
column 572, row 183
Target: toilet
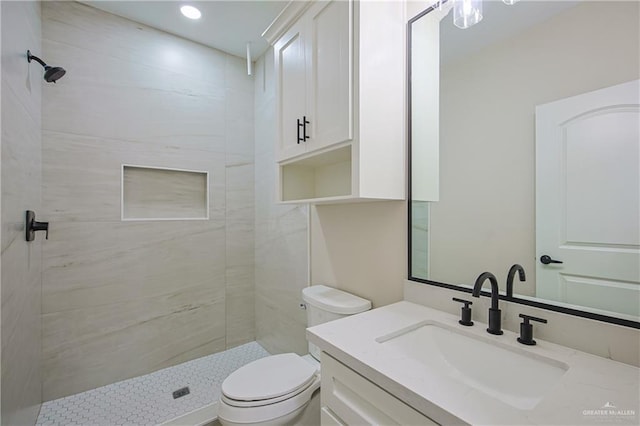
column 284, row 389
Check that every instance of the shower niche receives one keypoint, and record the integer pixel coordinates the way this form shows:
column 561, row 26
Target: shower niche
column 155, row 193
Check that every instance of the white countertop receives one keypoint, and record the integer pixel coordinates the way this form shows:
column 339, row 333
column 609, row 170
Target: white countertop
column 578, row 398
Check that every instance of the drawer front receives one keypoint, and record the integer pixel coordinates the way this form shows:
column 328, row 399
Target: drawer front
column 354, row 400
column 329, row 418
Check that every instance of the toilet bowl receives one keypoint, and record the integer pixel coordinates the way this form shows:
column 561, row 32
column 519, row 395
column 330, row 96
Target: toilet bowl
column 284, row 389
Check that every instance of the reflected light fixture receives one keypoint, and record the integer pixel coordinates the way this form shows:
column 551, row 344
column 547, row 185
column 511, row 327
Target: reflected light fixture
column 510, row 2
column 190, row 12
column 467, row 13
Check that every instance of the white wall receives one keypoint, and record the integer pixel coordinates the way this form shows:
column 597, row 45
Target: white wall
column 360, row 248
column 121, row 299
column 21, row 277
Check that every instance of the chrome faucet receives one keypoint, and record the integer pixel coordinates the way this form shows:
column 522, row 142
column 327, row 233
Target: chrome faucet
column 494, row 313
column 512, row 272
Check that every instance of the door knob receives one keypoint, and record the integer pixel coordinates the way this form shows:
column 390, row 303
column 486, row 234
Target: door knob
column 547, row 260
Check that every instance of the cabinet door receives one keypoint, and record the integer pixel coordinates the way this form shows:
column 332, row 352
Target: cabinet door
column 330, row 62
column 291, row 86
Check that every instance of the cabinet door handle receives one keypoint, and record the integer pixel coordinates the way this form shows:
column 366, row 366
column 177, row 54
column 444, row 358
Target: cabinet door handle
column 299, row 125
column 304, row 128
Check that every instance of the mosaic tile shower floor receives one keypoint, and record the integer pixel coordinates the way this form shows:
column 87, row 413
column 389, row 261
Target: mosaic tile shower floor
column 148, row 399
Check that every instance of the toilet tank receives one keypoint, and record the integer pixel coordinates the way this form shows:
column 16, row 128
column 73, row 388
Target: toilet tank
column 326, row 304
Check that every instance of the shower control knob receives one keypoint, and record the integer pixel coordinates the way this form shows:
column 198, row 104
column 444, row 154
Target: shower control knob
column 32, row 226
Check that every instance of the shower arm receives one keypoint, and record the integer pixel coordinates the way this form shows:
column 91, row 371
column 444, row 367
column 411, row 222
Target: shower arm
column 35, row 58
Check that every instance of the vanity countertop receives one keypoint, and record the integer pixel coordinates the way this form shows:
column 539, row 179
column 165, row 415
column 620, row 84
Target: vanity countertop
column 593, row 390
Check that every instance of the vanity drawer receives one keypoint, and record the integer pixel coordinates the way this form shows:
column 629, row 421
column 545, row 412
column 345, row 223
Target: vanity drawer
column 351, row 399
column 328, row 418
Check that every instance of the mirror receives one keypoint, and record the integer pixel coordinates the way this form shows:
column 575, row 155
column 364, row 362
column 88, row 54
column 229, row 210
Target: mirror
column 535, row 133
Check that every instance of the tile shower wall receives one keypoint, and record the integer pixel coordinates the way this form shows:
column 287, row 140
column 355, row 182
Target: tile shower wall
column 281, row 265
column 21, row 179
column 121, row 299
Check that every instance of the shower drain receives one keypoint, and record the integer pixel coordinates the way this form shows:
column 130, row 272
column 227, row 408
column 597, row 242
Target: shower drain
column 181, row 392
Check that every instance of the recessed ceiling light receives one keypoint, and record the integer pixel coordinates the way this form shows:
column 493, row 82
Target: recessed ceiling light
column 190, row 12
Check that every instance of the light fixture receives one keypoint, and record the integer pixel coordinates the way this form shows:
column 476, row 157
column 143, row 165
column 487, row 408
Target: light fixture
column 190, row 12
column 467, row 13
column 510, row 2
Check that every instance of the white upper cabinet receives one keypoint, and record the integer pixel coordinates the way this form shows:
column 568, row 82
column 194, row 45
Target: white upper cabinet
column 340, row 87
column 291, row 85
column 314, row 80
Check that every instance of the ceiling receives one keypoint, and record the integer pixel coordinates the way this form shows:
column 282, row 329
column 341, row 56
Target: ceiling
column 225, row 25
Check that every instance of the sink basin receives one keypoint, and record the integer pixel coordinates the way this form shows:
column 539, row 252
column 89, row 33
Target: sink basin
column 512, row 375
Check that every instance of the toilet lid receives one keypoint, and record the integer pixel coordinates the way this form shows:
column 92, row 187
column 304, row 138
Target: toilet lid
column 268, row 378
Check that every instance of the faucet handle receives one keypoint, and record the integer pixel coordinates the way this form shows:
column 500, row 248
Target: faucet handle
column 526, row 329
column 465, row 312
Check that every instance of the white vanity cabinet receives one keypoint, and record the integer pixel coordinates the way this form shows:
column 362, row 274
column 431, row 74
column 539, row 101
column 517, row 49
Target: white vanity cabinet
column 347, row 398
column 340, row 89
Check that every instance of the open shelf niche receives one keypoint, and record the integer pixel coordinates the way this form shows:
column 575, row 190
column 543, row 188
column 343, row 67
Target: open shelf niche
column 155, row 193
column 326, row 176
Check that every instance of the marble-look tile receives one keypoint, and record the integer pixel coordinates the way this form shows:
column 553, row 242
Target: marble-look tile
column 82, row 26
column 121, row 72
column 165, row 113
column 91, row 264
column 240, row 306
column 239, row 122
column 240, row 250
column 239, row 178
column 21, row 32
column 151, row 193
column 281, row 264
column 21, row 331
column 82, row 174
column 131, row 69
column 236, row 75
column 20, row 270
column 280, row 323
column 21, row 164
column 127, row 339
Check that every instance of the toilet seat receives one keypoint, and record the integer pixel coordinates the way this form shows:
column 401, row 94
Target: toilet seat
column 268, row 378
column 268, row 401
column 268, row 388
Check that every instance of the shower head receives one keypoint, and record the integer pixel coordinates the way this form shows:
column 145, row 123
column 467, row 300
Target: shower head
column 51, row 74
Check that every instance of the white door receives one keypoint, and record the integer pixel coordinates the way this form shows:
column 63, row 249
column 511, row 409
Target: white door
column 587, row 199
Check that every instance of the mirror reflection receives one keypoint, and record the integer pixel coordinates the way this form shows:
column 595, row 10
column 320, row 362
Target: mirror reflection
column 538, row 152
